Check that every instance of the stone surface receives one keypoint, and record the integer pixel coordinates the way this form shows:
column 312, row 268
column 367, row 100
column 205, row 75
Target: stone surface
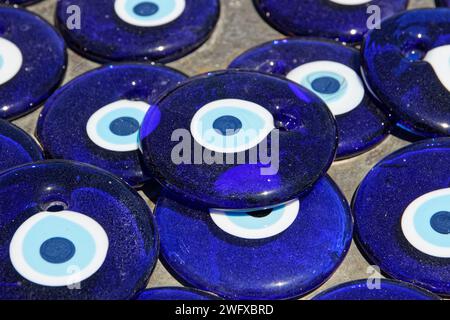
column 241, row 28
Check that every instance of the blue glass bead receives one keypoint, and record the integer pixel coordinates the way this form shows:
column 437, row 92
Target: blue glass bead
column 175, row 294
column 407, row 65
column 443, row 3
column 136, row 30
column 32, row 61
column 72, row 231
column 332, row 71
column 343, row 20
column 283, row 252
column 96, row 117
column 252, row 167
column 367, row 290
column 401, row 215
column 16, row 147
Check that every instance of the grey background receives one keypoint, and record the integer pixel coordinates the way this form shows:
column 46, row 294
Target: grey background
column 240, row 28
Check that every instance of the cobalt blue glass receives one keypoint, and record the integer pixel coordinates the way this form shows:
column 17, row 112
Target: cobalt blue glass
column 342, row 20
column 332, row 71
column 136, row 30
column 32, row 61
column 16, row 147
column 443, row 3
column 72, row 231
column 174, row 294
column 19, row 2
column 406, row 64
column 238, row 140
column 281, row 252
column 96, row 117
column 402, row 215
column 369, row 290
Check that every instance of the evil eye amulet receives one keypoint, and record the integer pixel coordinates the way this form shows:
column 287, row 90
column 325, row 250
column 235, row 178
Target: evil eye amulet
column 443, row 3
column 402, row 215
column 72, row 231
column 331, row 71
column 280, row 252
column 175, row 294
column 32, row 61
column 136, row 30
column 238, row 139
column 343, row 20
column 407, row 65
column 16, row 147
column 376, row 289
column 96, row 117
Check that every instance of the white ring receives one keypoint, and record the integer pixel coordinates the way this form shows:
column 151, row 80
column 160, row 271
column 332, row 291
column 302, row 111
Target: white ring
column 257, row 135
column 25, row 270
column 91, row 126
column 439, row 58
column 224, row 221
column 120, row 8
column 410, row 232
column 12, row 60
column 350, row 100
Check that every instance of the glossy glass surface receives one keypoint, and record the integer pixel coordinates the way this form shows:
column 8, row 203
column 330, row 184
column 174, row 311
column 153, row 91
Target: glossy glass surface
column 57, row 219
column 182, row 157
column 325, row 18
column 398, row 211
column 122, row 30
column 413, row 84
column 41, row 61
column 281, row 264
column 175, row 294
column 369, row 290
column 361, row 125
column 16, row 146
column 95, row 118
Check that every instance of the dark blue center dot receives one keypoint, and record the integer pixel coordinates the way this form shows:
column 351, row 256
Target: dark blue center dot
column 145, row 9
column 124, row 126
column 440, row 222
column 260, row 213
column 227, row 125
column 326, row 85
column 57, row 250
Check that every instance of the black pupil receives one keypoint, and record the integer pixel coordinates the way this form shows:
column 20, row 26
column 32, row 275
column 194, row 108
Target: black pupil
column 57, row 250
column 440, row 222
column 124, row 126
column 146, row 9
column 260, row 213
column 227, row 125
column 326, row 85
